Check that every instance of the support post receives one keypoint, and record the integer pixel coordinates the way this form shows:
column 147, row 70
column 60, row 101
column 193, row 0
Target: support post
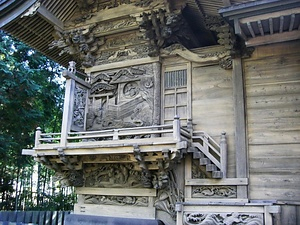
column 223, row 152
column 240, row 126
column 68, row 111
column 176, row 129
column 116, row 134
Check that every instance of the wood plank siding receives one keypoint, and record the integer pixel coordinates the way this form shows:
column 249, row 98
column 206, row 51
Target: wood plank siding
column 212, row 108
column 273, row 116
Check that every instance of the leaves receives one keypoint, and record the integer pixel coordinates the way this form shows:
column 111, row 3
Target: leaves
column 31, row 95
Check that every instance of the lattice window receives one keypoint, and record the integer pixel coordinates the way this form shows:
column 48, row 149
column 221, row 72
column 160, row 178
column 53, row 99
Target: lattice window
column 177, row 78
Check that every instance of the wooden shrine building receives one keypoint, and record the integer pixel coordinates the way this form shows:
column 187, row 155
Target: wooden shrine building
column 176, row 111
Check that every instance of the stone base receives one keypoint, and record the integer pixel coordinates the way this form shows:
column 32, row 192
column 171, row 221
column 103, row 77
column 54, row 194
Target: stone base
column 72, row 219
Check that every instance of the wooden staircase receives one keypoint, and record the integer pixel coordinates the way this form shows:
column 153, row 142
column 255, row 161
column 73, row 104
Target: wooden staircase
column 211, row 155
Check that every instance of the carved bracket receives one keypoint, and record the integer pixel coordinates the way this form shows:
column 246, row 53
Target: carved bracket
column 228, row 39
column 162, row 29
column 81, row 43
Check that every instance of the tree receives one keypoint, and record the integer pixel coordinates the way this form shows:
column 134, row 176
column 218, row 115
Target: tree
column 31, row 95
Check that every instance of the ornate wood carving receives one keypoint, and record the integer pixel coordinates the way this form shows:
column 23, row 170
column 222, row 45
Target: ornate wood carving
column 227, row 38
column 80, row 100
column 81, row 43
column 222, row 218
column 214, row 192
column 169, row 196
column 122, row 98
column 112, row 175
column 178, row 49
column 116, row 200
column 162, row 28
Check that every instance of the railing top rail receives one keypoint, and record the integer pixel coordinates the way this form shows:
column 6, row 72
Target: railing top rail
column 204, row 134
column 164, row 126
column 51, row 134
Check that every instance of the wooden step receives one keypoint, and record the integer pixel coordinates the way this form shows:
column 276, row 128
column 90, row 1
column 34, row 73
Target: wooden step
column 192, row 149
column 211, row 167
column 217, row 174
column 196, row 155
column 204, row 161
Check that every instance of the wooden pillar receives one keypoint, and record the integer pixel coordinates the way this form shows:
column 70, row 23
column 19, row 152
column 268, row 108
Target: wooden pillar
column 240, row 126
column 68, row 110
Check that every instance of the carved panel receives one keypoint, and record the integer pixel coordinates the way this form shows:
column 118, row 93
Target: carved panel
column 112, row 176
column 116, row 200
column 222, row 218
column 80, row 98
column 214, row 192
column 122, row 98
column 110, row 26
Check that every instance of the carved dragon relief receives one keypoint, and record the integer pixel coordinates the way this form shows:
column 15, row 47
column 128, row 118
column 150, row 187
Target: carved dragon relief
column 122, row 98
column 214, row 192
column 116, row 200
column 198, row 218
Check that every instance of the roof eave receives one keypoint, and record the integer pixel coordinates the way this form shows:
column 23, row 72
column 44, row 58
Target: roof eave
column 14, row 9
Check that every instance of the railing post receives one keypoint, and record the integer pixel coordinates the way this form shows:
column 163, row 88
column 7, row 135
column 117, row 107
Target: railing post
column 116, row 134
column 38, row 133
column 223, row 153
column 176, row 129
column 190, row 127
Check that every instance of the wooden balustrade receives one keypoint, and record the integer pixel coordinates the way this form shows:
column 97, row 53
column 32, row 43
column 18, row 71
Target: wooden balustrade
column 175, row 130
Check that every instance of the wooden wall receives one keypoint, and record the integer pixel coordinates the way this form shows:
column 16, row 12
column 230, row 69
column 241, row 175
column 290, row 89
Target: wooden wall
column 212, row 105
column 272, row 78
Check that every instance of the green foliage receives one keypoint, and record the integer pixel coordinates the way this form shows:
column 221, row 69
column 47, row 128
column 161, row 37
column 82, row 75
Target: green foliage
column 31, row 95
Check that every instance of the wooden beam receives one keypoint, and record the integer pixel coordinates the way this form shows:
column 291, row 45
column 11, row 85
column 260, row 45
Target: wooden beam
column 47, row 15
column 271, row 25
column 292, row 22
column 250, row 29
column 271, row 15
column 238, row 29
column 281, row 24
column 275, row 38
column 240, row 126
column 261, row 30
column 116, row 191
